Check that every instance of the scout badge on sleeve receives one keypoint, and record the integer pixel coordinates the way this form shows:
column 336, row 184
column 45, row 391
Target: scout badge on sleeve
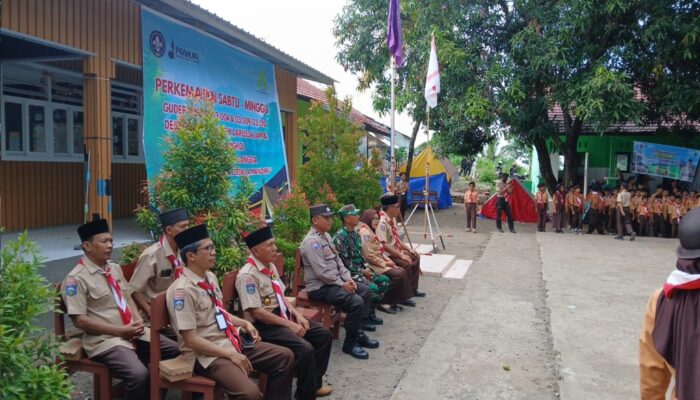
column 71, row 287
column 250, row 286
column 179, row 299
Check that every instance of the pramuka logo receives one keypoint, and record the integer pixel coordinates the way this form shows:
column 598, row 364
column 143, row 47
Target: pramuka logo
column 262, row 82
column 182, row 53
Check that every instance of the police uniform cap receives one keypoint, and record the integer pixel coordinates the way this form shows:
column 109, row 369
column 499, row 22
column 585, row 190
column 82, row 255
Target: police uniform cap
column 320, row 209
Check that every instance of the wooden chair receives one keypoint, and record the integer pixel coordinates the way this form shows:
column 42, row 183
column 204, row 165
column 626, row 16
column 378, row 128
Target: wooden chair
column 101, row 377
column 330, row 317
column 160, row 318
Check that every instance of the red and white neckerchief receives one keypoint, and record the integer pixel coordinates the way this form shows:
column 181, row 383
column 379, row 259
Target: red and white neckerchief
column 394, row 231
column 541, row 197
column 281, row 299
column 579, row 204
column 231, row 330
column 122, row 305
column 677, row 208
column 645, row 211
column 679, row 280
column 174, row 261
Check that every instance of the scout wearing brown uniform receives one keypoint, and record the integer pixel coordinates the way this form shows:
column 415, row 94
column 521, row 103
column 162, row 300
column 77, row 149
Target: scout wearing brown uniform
column 400, row 287
column 569, row 211
column 644, row 217
column 558, row 209
column 400, row 253
column 541, row 200
column 576, row 209
column 675, row 213
column 634, row 204
column 328, row 280
column 668, row 344
column 209, row 336
column 612, row 210
column 471, row 202
column 657, row 209
column 402, row 191
column 98, row 300
column 595, row 220
column 159, row 264
column 261, row 295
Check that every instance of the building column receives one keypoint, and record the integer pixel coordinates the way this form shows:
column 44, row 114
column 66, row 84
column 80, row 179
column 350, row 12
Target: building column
column 97, row 110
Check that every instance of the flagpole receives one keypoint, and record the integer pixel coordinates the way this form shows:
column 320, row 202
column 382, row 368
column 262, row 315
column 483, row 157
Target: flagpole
column 393, row 106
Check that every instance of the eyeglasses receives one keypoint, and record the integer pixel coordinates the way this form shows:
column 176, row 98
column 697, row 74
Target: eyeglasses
column 208, row 249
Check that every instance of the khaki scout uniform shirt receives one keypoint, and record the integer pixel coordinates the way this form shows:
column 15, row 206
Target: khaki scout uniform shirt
column 255, row 288
column 385, row 232
column 372, row 250
column 322, row 266
column 154, row 273
column 87, row 292
column 190, row 307
column 654, row 372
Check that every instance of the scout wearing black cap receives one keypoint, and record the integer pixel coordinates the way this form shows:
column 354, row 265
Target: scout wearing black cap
column 87, row 231
column 320, row 209
column 389, row 200
column 191, row 235
column 689, row 236
column 173, row 216
column 258, row 236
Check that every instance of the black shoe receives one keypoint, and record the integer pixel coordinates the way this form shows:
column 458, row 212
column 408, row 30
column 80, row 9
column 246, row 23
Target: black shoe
column 365, row 341
column 618, row 238
column 632, row 236
column 374, row 320
column 369, row 327
column 418, row 294
column 409, row 303
column 500, row 230
column 512, row 231
column 387, row 309
column 396, row 308
column 354, row 350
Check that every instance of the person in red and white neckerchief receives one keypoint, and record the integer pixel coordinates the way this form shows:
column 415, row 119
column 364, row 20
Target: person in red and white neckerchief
column 644, row 216
column 159, row 264
column 98, row 301
column 219, row 345
column 669, row 344
column 542, row 203
column 261, row 295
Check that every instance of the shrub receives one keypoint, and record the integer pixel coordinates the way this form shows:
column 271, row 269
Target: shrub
column 331, row 145
column 27, row 353
column 197, row 163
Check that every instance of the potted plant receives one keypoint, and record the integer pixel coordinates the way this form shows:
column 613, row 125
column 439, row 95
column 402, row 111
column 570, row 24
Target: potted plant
column 128, row 256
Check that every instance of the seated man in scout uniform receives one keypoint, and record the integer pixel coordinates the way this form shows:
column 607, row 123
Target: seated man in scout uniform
column 209, row 336
column 400, row 253
column 349, row 245
column 159, row 264
column 98, row 300
column 261, row 294
column 328, row 280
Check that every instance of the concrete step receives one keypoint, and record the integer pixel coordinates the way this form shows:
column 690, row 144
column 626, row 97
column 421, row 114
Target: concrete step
column 458, row 269
column 436, row 264
column 423, row 248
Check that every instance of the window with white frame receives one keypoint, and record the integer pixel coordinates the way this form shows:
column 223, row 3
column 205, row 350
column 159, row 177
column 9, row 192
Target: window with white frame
column 42, row 116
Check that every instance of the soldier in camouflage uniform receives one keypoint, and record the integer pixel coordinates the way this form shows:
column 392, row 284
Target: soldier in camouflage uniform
column 349, row 245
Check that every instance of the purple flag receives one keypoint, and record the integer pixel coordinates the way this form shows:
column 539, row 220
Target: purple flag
column 394, row 39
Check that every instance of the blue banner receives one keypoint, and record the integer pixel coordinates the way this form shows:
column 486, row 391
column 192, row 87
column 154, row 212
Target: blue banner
column 180, row 63
column 666, row 161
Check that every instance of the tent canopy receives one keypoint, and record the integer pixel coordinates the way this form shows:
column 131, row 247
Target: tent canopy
column 418, row 166
column 438, row 183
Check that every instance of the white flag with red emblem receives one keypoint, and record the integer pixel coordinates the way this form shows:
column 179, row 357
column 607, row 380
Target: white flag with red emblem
column 432, row 82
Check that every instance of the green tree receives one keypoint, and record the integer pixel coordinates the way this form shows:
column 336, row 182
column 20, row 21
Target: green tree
column 330, row 143
column 196, row 175
column 27, row 354
column 360, row 31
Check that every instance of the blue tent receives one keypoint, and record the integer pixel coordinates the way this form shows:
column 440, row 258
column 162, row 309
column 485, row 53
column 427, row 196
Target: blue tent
column 438, row 183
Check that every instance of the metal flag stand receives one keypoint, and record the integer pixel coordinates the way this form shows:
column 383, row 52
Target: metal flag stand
column 429, row 218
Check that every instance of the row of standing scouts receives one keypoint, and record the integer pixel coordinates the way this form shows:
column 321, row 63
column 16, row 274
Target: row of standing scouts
column 615, row 211
column 363, row 268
